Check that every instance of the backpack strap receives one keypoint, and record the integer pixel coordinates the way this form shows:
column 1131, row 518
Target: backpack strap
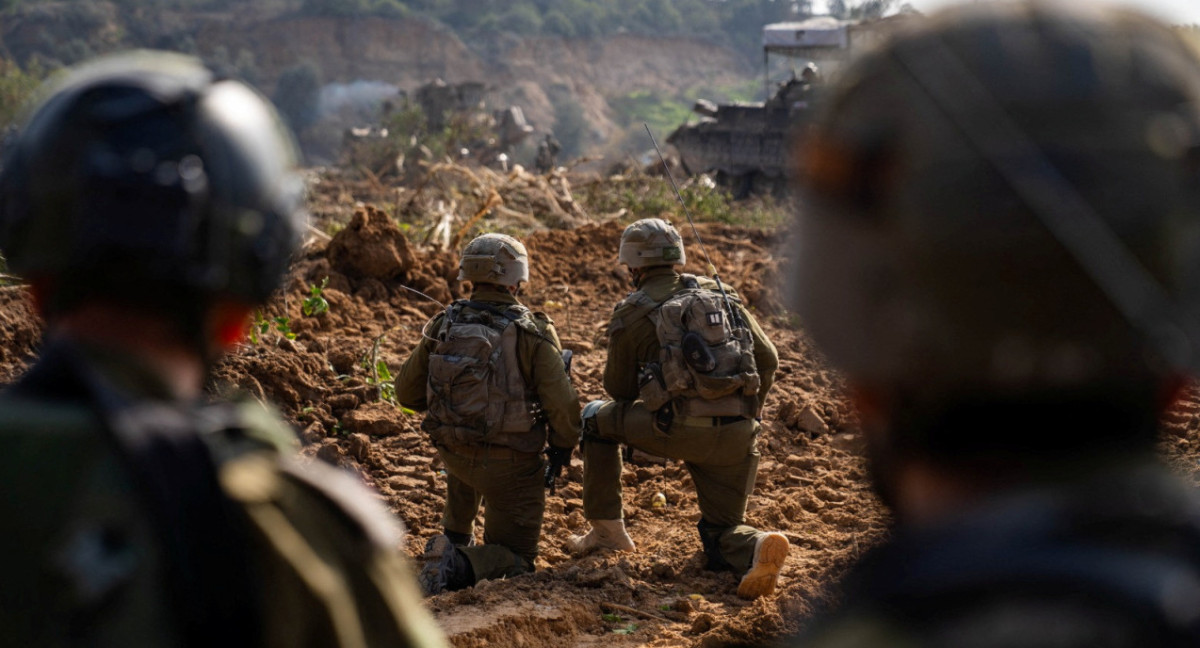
column 512, row 313
column 634, row 307
column 515, row 313
column 204, row 537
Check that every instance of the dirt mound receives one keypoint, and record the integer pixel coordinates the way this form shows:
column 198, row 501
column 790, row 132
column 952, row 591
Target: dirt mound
column 20, row 329
column 370, row 246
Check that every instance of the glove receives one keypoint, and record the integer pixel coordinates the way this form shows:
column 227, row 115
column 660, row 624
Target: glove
column 556, row 458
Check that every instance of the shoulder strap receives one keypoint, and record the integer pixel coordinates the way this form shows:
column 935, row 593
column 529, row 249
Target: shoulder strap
column 512, row 313
column 205, row 541
column 515, row 314
column 634, row 307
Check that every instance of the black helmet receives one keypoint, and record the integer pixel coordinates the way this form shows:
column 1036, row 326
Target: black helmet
column 142, row 176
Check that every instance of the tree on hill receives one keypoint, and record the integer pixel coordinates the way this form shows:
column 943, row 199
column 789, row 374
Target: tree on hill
column 729, row 22
column 297, row 95
column 16, row 87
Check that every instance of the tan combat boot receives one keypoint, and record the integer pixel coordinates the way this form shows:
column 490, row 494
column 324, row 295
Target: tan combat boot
column 770, row 551
column 606, row 534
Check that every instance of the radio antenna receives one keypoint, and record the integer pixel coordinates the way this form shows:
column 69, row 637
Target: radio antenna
column 734, row 316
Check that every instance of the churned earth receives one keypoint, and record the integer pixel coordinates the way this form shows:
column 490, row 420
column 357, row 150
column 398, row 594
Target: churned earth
column 331, row 381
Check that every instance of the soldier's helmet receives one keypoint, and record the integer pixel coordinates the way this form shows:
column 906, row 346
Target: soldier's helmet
column 1006, row 198
column 494, row 258
column 651, row 242
column 144, row 176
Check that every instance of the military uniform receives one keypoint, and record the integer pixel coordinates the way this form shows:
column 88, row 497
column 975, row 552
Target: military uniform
column 1112, row 561
column 720, row 453
column 988, row 254
column 85, row 561
column 508, row 475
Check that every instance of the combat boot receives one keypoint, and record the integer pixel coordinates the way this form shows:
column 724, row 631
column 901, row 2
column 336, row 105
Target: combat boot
column 445, row 568
column 605, row 534
column 770, row 552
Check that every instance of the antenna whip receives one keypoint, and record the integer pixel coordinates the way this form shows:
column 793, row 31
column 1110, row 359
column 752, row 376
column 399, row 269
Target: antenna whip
column 733, row 313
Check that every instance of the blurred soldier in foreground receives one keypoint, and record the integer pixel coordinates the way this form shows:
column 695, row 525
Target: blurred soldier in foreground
column 689, row 370
column 152, row 207
column 1003, row 256
column 490, row 373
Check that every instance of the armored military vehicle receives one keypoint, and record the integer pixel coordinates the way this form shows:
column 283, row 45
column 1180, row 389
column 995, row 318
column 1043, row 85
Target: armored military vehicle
column 746, row 144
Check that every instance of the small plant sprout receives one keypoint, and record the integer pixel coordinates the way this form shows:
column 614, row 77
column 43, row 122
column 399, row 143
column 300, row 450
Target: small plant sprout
column 283, row 325
column 380, row 375
column 387, row 388
column 261, row 325
column 258, row 327
column 315, row 304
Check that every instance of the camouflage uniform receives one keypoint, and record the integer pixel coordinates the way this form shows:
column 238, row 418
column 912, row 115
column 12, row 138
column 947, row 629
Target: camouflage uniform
column 507, row 478
column 720, row 453
column 990, row 253
column 85, row 564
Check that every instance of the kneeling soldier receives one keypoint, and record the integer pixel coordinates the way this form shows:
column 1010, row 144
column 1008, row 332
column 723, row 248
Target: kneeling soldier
column 689, row 368
column 491, row 376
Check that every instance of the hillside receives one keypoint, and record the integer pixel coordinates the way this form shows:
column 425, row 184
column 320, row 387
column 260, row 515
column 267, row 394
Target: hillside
column 540, row 74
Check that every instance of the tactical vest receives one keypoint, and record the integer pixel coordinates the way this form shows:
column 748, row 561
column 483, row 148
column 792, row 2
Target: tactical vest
column 706, row 362
column 476, row 393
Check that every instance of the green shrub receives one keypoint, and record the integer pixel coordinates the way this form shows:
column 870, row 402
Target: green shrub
column 16, row 88
column 297, row 94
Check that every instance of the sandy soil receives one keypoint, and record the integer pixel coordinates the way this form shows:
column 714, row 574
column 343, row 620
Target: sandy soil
column 811, row 484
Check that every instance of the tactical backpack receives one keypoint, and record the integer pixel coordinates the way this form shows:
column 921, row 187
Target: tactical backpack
column 706, row 362
column 476, row 393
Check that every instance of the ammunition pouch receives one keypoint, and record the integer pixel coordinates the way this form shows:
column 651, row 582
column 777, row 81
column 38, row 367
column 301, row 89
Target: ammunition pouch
column 652, row 388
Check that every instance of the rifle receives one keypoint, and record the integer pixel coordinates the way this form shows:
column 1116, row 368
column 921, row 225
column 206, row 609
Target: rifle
column 734, row 316
column 557, row 458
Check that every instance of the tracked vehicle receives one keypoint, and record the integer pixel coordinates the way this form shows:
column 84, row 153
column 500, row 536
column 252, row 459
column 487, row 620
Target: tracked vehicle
column 745, row 145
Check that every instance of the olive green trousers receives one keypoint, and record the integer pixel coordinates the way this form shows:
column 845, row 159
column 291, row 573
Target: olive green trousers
column 509, row 486
column 722, row 460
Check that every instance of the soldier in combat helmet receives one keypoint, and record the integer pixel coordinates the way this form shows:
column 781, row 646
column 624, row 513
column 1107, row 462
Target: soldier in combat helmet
column 703, row 413
column 490, row 375
column 547, row 154
column 1002, row 254
column 151, row 206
